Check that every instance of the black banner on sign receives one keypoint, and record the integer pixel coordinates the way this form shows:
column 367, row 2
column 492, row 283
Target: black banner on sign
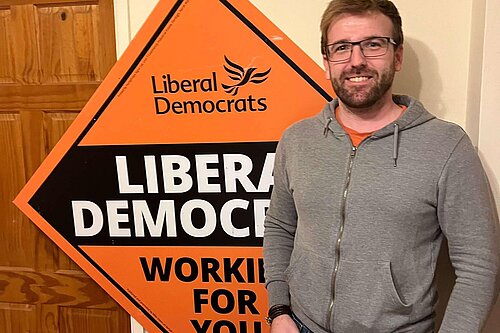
column 160, row 195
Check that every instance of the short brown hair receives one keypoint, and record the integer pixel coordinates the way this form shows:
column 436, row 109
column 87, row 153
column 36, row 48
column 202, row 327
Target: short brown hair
column 337, row 7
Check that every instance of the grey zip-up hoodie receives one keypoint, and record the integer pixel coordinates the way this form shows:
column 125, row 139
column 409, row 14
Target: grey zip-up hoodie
column 352, row 235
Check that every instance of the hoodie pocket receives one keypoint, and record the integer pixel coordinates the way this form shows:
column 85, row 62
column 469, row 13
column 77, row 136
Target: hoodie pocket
column 309, row 279
column 367, row 299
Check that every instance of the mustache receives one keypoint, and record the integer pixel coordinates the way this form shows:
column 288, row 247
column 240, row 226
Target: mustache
column 360, row 71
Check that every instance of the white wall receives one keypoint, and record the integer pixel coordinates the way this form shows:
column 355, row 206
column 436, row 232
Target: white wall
column 489, row 119
column 451, row 54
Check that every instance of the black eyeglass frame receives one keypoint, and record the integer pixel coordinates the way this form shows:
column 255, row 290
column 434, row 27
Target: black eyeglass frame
column 390, row 40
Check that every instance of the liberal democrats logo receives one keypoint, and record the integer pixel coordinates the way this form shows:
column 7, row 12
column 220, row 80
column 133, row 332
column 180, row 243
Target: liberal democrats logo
column 242, row 76
column 202, row 94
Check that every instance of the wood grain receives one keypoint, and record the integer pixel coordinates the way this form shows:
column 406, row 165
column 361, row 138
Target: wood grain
column 16, row 230
column 87, row 321
column 25, row 45
column 53, row 55
column 64, row 288
column 18, row 318
column 68, row 43
column 45, row 97
column 54, row 125
column 6, row 51
column 49, row 318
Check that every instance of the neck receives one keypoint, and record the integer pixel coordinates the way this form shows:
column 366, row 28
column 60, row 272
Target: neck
column 371, row 118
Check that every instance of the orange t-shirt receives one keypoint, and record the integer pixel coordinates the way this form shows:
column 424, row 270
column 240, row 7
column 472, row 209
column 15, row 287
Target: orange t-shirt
column 357, row 137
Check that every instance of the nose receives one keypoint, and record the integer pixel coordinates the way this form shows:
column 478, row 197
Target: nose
column 357, row 57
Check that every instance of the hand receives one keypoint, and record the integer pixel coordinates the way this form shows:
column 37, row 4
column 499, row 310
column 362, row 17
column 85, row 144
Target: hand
column 284, row 324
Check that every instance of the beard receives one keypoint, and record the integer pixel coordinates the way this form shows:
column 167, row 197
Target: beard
column 363, row 97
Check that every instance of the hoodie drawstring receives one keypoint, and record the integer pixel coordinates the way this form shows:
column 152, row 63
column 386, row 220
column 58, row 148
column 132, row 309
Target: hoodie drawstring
column 395, row 145
column 325, row 129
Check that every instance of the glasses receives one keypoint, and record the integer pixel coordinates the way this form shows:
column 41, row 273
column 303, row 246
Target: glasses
column 370, row 48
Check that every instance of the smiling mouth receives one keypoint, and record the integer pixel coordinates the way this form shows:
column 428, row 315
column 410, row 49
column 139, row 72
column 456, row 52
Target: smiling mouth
column 358, row 78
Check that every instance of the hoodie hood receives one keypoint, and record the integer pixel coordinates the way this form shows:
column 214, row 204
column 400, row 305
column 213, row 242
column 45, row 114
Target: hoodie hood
column 414, row 115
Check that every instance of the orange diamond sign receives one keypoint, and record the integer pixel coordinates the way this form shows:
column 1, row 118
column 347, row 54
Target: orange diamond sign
column 160, row 187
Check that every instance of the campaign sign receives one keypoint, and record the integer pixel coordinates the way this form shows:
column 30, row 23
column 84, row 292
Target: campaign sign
column 160, row 187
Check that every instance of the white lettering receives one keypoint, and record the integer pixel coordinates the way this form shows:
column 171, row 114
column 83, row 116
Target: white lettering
column 123, row 179
column 232, row 173
column 97, row 219
column 210, row 218
column 203, row 173
column 115, row 218
column 260, row 207
column 227, row 221
column 266, row 177
column 151, row 178
column 165, row 216
column 170, row 174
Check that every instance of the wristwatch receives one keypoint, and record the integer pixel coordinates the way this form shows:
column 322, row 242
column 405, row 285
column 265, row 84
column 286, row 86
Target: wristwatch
column 277, row 310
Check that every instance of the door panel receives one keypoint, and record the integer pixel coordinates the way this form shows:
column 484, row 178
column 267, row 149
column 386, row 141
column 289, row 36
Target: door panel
column 18, row 318
column 7, row 63
column 53, row 55
column 68, row 51
column 54, row 125
column 13, row 235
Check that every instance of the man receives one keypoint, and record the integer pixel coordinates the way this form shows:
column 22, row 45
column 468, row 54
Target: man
column 364, row 193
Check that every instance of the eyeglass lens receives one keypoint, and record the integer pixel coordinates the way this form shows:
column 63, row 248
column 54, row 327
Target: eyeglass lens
column 372, row 47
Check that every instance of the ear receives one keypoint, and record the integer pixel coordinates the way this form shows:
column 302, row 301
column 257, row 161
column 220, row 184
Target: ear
column 326, row 64
column 398, row 58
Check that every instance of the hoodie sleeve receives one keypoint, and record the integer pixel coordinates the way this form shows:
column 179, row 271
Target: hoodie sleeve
column 469, row 220
column 279, row 232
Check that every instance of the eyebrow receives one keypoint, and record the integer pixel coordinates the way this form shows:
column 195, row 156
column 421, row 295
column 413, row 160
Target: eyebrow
column 350, row 41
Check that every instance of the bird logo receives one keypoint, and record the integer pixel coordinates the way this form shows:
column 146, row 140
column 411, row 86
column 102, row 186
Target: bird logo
column 242, row 76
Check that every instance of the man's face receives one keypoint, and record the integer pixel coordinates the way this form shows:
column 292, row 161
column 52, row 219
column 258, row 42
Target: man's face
column 360, row 82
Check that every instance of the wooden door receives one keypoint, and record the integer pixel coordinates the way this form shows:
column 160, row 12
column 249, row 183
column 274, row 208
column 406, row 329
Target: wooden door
column 53, row 55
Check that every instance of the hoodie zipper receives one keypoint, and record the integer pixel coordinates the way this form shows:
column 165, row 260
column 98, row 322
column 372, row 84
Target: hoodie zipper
column 340, row 234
